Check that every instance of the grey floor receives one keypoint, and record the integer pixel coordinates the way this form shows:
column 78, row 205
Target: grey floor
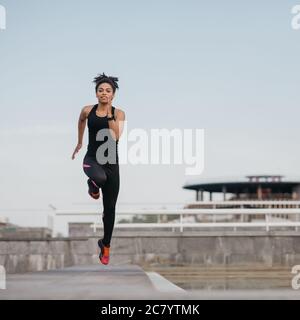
column 117, row 283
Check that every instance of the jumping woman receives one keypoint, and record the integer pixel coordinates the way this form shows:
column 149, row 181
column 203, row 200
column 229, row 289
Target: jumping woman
column 102, row 168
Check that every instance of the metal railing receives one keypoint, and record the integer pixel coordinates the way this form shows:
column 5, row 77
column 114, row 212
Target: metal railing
column 215, row 214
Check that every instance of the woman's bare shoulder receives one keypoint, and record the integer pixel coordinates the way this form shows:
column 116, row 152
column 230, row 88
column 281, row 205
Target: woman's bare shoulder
column 119, row 112
column 86, row 109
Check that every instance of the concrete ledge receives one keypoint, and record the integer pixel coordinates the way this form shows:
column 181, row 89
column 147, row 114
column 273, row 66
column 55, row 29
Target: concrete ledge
column 169, row 234
column 164, row 285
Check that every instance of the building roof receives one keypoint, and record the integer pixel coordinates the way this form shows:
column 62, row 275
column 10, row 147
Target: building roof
column 248, row 184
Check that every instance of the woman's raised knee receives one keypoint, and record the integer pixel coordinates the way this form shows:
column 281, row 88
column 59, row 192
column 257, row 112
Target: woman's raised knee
column 100, row 179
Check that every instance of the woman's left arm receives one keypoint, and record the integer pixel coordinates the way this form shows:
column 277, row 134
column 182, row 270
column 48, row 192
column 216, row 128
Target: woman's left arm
column 117, row 125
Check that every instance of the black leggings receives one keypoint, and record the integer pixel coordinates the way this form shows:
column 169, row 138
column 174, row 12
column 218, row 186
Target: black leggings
column 107, row 178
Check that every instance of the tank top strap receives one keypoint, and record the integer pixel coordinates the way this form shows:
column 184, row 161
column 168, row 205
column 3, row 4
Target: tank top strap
column 92, row 111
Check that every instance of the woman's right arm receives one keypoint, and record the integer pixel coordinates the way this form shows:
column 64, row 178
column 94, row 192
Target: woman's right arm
column 81, row 126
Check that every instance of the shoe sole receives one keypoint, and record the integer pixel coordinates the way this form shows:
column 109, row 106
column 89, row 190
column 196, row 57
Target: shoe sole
column 94, row 196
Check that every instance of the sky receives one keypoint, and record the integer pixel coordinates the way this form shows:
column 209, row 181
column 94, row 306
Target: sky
column 228, row 67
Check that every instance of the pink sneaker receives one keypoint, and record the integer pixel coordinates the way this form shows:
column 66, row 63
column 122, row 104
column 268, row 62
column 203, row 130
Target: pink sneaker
column 104, row 252
column 94, row 195
column 93, row 191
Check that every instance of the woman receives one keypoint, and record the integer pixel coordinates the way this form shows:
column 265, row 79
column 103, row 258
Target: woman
column 104, row 120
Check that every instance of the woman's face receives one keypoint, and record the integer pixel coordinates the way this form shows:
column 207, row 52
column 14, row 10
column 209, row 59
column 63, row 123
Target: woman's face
column 105, row 93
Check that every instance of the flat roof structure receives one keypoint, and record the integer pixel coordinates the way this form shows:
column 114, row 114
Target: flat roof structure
column 258, row 187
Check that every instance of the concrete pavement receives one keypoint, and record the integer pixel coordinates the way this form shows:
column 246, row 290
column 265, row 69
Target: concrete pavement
column 88, row 282
column 116, row 282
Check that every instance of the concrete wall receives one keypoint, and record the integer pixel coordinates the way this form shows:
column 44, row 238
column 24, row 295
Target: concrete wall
column 16, row 232
column 205, row 249
column 18, row 256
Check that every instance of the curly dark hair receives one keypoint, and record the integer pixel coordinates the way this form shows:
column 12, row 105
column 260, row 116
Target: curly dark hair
column 102, row 78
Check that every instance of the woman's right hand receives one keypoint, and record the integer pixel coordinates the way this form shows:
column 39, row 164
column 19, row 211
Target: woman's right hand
column 78, row 147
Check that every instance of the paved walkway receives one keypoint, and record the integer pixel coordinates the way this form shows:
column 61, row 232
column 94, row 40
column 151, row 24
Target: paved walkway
column 98, row 282
column 88, row 282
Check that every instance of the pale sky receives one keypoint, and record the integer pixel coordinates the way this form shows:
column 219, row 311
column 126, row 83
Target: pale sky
column 228, row 67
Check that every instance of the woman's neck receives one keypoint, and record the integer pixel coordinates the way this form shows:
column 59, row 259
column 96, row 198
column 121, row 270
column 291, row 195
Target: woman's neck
column 102, row 106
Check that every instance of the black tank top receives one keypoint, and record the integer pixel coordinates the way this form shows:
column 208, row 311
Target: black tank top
column 96, row 123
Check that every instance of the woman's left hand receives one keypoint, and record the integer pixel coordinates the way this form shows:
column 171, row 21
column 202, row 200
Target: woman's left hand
column 109, row 108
